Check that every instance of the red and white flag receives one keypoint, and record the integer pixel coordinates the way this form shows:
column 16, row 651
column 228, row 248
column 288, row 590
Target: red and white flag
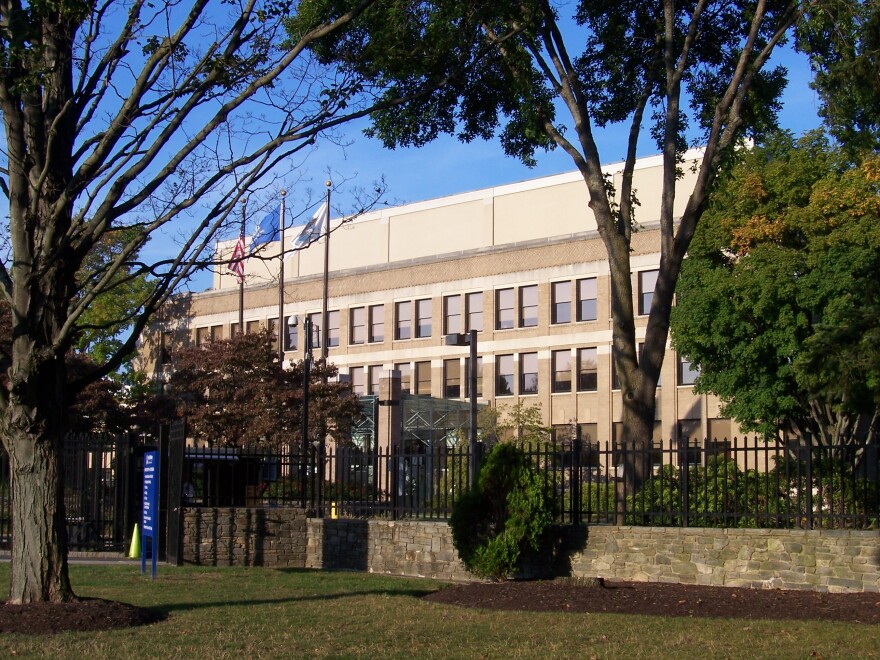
column 236, row 265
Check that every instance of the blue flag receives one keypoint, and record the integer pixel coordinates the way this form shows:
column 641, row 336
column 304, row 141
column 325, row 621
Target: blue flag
column 268, row 230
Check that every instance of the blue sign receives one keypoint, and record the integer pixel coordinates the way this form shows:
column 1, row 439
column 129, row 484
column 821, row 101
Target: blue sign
column 150, row 518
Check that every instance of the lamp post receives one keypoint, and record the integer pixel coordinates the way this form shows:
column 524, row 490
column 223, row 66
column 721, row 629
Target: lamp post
column 307, row 368
column 470, row 339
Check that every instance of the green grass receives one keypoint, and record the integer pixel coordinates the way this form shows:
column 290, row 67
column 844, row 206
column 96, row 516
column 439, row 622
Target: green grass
column 264, row 613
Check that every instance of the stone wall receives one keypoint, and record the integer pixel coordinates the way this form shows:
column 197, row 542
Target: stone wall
column 823, row 560
column 392, row 547
column 244, row 537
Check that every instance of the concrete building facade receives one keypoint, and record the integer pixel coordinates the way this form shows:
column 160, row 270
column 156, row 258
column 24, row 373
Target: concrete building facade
column 522, row 264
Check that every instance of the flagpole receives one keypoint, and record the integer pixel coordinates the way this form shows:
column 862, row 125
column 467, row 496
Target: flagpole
column 241, row 279
column 279, row 326
column 324, row 313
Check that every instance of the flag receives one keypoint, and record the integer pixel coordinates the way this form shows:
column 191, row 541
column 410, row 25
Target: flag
column 268, row 230
column 236, row 265
column 314, row 227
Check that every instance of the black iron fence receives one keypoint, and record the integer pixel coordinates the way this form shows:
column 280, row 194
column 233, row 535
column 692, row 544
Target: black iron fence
column 100, row 492
column 738, row 483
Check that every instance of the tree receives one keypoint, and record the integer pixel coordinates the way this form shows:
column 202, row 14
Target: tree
column 124, row 121
column 842, row 39
column 236, row 393
column 778, row 299
column 696, row 68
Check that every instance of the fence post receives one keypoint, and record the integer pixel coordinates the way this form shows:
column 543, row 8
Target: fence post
column 809, row 484
column 683, row 479
column 575, row 479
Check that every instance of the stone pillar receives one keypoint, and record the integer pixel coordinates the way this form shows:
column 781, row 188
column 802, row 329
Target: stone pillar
column 390, row 419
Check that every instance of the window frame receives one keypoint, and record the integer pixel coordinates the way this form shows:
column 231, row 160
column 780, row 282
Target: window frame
column 423, row 323
column 403, row 324
column 557, row 304
column 357, row 326
column 584, row 376
column 558, row 384
column 509, row 375
column 526, row 321
column 646, row 297
column 526, row 388
column 505, row 316
column 584, row 303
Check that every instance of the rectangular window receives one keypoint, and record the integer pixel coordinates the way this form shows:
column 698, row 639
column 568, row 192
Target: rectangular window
column 333, row 328
column 375, row 374
column 273, row 331
column 291, row 337
column 377, row 323
column 405, row 377
column 217, row 331
column 358, row 387
column 203, row 335
column 562, row 371
column 166, row 340
column 357, row 332
column 647, row 284
column 467, row 377
column 423, row 378
column 451, row 379
column 505, row 377
column 403, row 320
column 504, row 309
column 452, row 315
column 423, row 318
column 252, row 327
column 474, row 303
column 687, row 374
column 586, row 293
column 528, row 369
column 315, row 319
column 561, row 292
column 588, row 379
column 528, row 306
column 233, row 330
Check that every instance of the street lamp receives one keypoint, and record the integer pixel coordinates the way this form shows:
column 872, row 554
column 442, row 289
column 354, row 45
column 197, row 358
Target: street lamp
column 470, row 339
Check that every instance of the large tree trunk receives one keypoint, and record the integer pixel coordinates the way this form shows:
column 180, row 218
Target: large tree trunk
column 33, row 437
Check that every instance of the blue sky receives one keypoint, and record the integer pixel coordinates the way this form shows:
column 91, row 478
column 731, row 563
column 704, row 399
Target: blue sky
column 448, row 166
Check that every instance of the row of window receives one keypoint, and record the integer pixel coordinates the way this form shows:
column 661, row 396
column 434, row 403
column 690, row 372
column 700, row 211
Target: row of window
column 571, row 300
column 571, row 370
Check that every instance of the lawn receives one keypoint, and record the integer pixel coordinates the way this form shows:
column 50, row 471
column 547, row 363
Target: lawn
column 253, row 613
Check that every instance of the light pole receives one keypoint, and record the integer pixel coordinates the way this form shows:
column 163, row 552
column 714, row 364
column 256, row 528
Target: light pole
column 307, row 368
column 470, row 339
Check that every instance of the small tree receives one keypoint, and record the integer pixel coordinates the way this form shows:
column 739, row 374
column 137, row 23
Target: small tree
column 235, row 392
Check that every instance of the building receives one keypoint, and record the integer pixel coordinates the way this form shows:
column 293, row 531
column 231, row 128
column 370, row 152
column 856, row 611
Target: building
column 522, row 264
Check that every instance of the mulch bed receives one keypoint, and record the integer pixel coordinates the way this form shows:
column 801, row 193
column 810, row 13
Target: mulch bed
column 560, row 595
column 84, row 614
column 661, row 599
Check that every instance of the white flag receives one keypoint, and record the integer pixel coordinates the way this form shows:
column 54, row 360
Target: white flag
column 314, row 228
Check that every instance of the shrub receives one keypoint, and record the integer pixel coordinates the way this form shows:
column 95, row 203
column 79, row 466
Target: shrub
column 508, row 511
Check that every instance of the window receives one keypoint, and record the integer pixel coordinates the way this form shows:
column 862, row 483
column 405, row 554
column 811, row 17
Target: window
column 586, row 293
column 233, row 330
column 405, row 377
column 291, row 337
column 202, row 336
column 252, row 327
column 375, row 374
column 403, row 329
column 474, row 311
column 166, row 341
column 217, row 330
column 423, row 318
column 451, row 315
column 562, row 371
column 504, row 307
column 647, row 284
column 315, row 319
column 357, row 380
column 452, row 379
column 467, row 377
column 333, row 328
column 687, row 374
column 528, row 306
column 377, row 323
column 423, row 378
column 528, row 369
column 504, row 366
column 615, row 380
column 561, row 293
column 273, row 331
column 357, row 333
column 588, row 379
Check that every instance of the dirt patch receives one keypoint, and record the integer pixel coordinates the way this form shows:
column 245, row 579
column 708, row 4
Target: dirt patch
column 661, row 599
column 83, row 614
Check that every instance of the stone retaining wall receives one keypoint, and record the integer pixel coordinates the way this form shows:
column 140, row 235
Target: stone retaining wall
column 244, row 537
column 823, row 560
